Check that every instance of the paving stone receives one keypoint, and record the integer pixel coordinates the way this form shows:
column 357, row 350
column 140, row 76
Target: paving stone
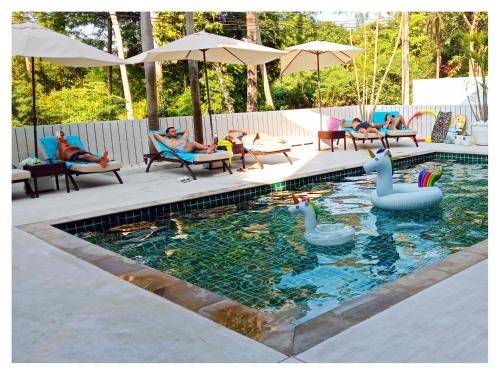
column 368, row 305
column 417, row 281
column 316, row 330
column 459, row 261
column 190, row 296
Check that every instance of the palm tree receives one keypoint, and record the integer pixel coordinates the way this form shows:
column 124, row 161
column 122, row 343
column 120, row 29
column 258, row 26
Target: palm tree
column 263, row 70
column 195, row 86
column 252, row 69
column 149, row 72
column 405, row 58
column 123, row 68
column 434, row 24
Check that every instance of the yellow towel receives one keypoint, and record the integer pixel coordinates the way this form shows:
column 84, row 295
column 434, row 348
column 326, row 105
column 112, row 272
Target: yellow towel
column 228, row 145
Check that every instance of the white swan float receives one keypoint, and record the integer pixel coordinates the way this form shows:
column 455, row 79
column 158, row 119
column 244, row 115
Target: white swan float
column 401, row 197
column 326, row 234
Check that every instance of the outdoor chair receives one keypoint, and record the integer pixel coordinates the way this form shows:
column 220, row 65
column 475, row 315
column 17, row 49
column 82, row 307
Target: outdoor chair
column 355, row 135
column 20, row 175
column 186, row 159
column 49, row 151
column 264, row 144
column 379, row 118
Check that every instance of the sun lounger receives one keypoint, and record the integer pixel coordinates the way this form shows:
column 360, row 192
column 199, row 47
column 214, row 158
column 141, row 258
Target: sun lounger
column 355, row 135
column 163, row 153
column 49, row 151
column 379, row 118
column 265, row 145
column 20, row 175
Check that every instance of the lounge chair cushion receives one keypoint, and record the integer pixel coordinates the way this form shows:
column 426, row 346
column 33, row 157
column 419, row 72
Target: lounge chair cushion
column 362, row 136
column 379, row 117
column 95, row 167
column 402, row 133
column 20, row 174
column 270, row 147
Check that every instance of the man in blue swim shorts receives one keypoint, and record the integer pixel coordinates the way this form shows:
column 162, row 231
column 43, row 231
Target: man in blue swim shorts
column 364, row 127
column 181, row 144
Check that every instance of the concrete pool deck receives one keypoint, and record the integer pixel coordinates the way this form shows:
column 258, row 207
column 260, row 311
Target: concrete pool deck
column 86, row 314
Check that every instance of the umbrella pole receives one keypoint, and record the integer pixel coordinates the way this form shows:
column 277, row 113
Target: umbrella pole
column 33, row 104
column 208, row 93
column 319, row 94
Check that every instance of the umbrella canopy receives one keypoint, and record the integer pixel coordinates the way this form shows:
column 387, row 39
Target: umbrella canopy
column 217, row 49
column 203, row 46
column 316, row 55
column 304, row 56
column 32, row 40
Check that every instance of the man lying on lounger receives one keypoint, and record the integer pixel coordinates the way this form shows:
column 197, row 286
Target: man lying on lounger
column 181, row 144
column 364, row 127
column 66, row 152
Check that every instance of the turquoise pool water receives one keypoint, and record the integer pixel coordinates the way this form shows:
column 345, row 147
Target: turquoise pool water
column 254, row 252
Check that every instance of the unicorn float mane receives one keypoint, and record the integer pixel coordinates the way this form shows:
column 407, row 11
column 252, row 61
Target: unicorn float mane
column 310, row 201
column 427, row 177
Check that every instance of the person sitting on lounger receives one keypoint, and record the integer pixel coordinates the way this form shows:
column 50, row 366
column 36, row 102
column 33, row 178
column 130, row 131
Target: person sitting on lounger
column 235, row 135
column 394, row 123
column 364, row 127
column 66, row 152
column 181, row 144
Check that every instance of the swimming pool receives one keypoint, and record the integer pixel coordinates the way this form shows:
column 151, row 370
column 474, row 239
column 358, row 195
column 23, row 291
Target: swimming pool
column 254, row 252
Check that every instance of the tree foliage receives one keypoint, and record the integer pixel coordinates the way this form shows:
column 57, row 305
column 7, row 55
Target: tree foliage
column 79, row 94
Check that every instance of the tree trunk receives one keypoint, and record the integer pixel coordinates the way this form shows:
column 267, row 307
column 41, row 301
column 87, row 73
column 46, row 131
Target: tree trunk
column 251, row 69
column 123, row 68
column 474, row 69
column 438, row 46
column 110, row 50
column 158, row 64
column 263, row 70
column 405, row 58
column 149, row 72
column 195, row 86
column 227, row 96
column 375, row 55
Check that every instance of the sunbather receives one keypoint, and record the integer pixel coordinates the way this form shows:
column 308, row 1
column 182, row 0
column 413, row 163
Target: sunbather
column 181, row 144
column 66, row 152
column 235, row 135
column 394, row 123
column 364, row 127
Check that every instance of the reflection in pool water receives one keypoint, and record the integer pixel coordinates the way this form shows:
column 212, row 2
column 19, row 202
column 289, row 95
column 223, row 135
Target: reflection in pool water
column 255, row 252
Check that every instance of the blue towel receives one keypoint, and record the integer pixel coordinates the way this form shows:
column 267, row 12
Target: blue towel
column 186, row 156
column 50, row 146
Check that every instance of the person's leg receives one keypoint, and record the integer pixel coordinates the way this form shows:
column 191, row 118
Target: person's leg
column 198, row 147
column 103, row 160
column 363, row 131
column 376, row 131
column 402, row 120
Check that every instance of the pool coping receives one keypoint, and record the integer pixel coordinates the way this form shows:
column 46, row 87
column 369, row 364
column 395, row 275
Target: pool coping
column 287, row 338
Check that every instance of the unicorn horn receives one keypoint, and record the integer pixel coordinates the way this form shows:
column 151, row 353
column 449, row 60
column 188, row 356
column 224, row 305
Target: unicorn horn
column 372, row 155
column 295, row 199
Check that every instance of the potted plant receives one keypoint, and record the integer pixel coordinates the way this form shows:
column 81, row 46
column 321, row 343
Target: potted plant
column 479, row 101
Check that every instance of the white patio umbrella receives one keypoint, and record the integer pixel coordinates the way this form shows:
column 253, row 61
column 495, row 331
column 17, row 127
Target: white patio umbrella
column 316, row 55
column 32, row 40
column 203, row 46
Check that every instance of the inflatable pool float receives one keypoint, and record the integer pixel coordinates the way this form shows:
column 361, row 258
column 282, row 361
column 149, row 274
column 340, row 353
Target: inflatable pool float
column 389, row 196
column 326, row 234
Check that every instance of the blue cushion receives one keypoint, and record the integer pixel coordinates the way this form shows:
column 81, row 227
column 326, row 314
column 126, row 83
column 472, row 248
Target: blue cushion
column 379, row 117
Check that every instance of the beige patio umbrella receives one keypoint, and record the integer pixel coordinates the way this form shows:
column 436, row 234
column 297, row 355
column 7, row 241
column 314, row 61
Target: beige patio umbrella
column 32, row 40
column 316, row 55
column 203, row 46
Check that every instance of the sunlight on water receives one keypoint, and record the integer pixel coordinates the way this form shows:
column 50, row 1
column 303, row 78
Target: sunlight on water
column 255, row 253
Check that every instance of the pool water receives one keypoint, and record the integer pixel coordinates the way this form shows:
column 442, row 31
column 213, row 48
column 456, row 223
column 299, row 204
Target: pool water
column 255, row 253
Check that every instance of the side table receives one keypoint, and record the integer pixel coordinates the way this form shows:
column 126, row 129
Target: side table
column 49, row 169
column 331, row 135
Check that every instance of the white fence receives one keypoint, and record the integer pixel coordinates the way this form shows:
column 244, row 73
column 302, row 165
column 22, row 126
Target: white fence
column 127, row 140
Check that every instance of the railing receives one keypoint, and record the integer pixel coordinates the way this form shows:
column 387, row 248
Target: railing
column 127, row 140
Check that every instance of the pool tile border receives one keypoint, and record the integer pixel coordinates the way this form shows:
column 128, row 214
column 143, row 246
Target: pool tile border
column 286, row 338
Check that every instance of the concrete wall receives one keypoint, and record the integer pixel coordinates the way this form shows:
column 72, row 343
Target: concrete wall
column 127, row 140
